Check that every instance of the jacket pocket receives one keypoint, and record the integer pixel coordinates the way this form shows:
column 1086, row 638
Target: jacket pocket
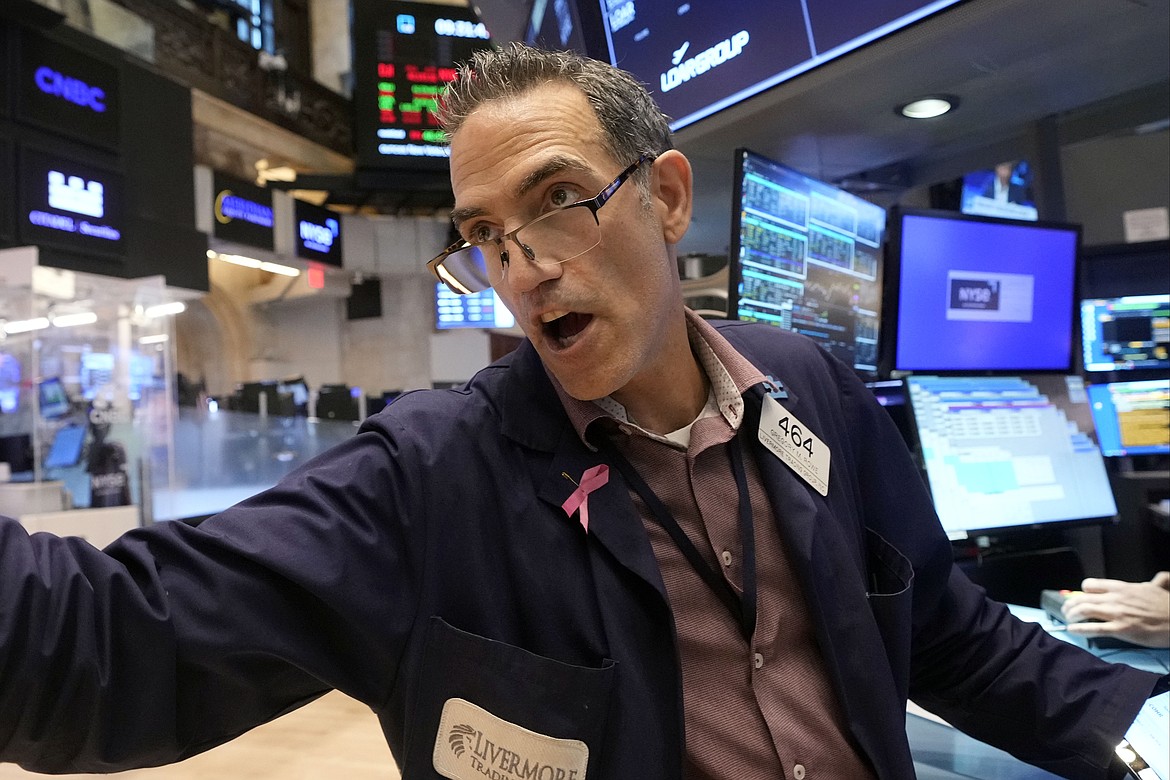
column 890, row 593
column 515, row 712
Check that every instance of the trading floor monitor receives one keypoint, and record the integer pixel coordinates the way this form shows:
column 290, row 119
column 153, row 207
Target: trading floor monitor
column 1004, row 453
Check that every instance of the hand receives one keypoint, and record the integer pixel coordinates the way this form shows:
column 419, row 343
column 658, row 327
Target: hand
column 1137, row 612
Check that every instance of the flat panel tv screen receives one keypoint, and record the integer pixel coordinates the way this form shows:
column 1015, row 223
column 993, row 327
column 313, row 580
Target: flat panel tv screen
column 806, row 256
column 702, row 56
column 477, row 310
column 1003, row 191
column 404, row 54
column 982, row 294
column 566, row 25
column 1127, row 333
column 1133, row 418
column 1009, row 452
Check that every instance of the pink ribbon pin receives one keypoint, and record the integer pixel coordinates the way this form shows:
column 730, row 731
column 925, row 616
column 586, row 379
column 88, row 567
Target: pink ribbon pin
column 591, row 480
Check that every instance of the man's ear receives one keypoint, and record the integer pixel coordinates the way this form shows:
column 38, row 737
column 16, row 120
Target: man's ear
column 672, row 194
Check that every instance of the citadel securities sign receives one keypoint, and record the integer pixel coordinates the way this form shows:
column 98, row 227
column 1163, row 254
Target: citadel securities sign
column 242, row 211
column 473, row 743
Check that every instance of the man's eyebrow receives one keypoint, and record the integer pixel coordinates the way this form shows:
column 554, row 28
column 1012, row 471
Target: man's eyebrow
column 562, row 162
column 552, row 167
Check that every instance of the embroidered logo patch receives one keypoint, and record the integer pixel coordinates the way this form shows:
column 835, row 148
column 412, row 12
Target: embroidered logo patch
column 473, row 744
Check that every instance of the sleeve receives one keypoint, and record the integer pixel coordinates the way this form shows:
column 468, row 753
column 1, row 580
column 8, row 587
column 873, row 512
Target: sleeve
column 1003, row 681
column 177, row 638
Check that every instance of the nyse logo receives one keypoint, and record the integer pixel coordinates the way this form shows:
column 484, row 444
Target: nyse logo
column 75, row 194
column 982, row 294
column 319, row 238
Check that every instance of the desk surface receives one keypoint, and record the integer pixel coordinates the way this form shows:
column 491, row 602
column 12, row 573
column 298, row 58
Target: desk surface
column 944, row 753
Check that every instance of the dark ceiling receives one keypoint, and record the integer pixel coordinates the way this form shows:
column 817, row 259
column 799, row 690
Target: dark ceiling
column 1013, row 64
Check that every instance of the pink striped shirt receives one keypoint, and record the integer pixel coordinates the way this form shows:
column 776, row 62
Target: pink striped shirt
column 752, row 710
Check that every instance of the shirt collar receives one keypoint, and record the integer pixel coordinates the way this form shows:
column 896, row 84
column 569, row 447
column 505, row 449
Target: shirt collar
column 730, row 375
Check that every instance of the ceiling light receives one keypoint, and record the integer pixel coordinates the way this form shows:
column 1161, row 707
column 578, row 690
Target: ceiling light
column 165, row 309
column 79, row 318
column 928, row 107
column 24, row 326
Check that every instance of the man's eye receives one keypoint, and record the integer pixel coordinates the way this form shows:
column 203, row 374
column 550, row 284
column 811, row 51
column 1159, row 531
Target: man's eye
column 480, row 234
column 563, row 195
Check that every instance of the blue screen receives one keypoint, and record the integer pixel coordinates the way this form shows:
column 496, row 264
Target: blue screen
column 1132, row 418
column 983, row 294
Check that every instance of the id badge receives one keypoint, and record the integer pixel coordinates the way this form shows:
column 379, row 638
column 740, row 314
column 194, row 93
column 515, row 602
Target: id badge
column 792, row 442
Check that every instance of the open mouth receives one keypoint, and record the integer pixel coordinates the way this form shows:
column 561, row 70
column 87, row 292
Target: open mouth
column 561, row 328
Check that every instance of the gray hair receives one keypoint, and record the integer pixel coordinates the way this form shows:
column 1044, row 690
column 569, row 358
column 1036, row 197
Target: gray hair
column 631, row 123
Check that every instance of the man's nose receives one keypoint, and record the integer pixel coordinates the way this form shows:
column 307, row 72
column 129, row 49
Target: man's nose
column 523, row 274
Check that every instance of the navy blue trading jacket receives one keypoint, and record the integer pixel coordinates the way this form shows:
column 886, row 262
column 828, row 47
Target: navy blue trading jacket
column 428, row 558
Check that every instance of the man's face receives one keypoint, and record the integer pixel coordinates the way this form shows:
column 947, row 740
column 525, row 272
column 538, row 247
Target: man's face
column 599, row 321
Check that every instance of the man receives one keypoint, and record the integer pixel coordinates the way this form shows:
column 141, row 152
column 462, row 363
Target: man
column 639, row 547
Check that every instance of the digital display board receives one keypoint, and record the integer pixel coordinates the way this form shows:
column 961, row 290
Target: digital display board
column 1133, row 418
column 806, row 256
column 1003, row 191
column 70, row 204
column 1009, row 452
column 242, row 212
column 983, row 294
column 701, row 56
column 318, row 233
column 1127, row 333
column 404, row 55
column 477, row 310
column 67, row 92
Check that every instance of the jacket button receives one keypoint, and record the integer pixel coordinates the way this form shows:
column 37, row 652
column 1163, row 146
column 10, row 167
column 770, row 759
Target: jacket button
column 757, row 660
column 798, row 772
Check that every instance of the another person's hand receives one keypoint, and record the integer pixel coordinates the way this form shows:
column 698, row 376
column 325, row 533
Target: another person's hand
column 1137, row 612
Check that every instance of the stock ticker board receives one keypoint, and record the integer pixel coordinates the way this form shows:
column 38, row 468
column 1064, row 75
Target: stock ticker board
column 405, row 54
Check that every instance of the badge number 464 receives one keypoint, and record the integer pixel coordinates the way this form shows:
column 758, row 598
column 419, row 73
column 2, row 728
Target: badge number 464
column 791, row 441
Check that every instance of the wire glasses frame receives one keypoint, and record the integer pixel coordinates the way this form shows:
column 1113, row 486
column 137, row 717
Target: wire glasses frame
column 461, row 282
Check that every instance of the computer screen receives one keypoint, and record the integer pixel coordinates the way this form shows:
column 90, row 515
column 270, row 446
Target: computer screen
column 65, row 451
column 1127, row 333
column 981, row 294
column 1002, row 453
column 54, row 401
column 1132, row 418
column 806, row 256
column 477, row 310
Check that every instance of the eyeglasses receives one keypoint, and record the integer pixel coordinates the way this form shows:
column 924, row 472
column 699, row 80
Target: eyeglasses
column 554, row 237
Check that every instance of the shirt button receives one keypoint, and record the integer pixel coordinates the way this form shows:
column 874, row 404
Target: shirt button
column 726, row 557
column 798, row 771
column 757, row 660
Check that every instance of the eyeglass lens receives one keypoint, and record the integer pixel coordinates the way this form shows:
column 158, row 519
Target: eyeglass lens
column 556, row 237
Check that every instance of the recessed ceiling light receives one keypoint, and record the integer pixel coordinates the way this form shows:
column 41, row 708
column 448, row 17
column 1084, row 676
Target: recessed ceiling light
column 929, row 106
